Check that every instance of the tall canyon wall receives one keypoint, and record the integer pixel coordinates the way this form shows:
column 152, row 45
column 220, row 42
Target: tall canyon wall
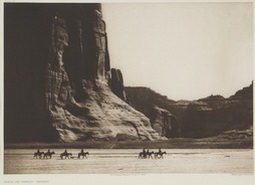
column 58, row 80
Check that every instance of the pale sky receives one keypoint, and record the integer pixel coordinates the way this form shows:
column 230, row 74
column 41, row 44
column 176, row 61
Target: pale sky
column 182, row 50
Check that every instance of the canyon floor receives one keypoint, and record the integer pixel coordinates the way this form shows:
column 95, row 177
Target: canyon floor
column 175, row 143
column 119, row 161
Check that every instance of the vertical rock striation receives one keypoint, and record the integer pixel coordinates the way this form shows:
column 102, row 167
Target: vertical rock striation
column 72, row 85
column 117, row 84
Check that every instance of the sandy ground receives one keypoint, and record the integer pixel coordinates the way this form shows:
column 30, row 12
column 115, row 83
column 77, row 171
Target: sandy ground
column 115, row 161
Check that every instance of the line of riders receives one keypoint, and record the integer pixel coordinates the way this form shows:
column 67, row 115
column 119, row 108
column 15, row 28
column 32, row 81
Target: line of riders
column 147, row 154
column 64, row 155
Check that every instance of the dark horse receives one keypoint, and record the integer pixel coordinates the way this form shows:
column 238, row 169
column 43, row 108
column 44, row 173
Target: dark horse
column 145, row 154
column 159, row 155
column 83, row 154
column 149, row 154
column 38, row 154
column 48, row 154
column 142, row 155
column 66, row 155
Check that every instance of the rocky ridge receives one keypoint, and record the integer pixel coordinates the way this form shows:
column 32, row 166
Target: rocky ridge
column 205, row 117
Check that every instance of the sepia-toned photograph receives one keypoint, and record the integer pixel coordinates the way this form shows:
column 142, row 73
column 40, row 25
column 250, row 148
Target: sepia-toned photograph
column 128, row 88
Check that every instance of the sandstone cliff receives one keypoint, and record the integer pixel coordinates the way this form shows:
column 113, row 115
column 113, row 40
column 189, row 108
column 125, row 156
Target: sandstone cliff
column 216, row 114
column 117, row 84
column 201, row 118
column 161, row 111
column 164, row 122
column 58, row 78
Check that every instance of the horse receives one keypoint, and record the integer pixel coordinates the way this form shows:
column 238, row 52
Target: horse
column 38, row 154
column 66, row 155
column 83, row 154
column 48, row 154
column 149, row 154
column 159, row 155
column 142, row 155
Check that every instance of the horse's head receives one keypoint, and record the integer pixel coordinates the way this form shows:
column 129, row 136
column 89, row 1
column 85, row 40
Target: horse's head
column 53, row 152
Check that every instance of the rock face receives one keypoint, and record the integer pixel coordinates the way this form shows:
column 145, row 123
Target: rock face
column 215, row 114
column 164, row 122
column 161, row 111
column 117, row 84
column 62, row 63
column 201, row 118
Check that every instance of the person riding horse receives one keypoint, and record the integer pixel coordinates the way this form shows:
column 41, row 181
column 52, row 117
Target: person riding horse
column 65, row 154
column 149, row 154
column 48, row 154
column 83, row 154
column 38, row 153
column 159, row 154
column 143, row 154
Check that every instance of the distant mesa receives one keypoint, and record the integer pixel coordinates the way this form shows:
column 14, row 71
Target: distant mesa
column 206, row 117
